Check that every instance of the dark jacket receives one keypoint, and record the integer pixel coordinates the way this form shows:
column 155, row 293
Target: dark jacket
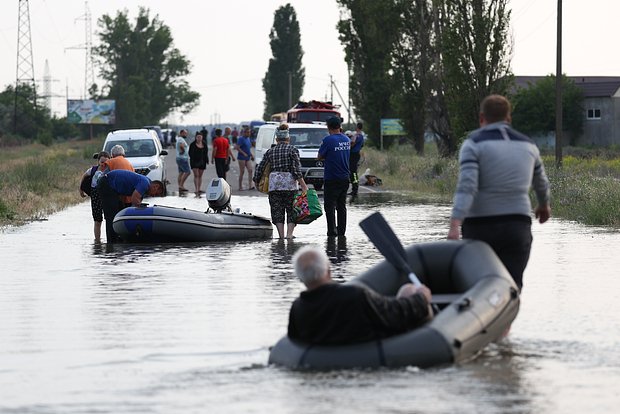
column 198, row 157
column 336, row 314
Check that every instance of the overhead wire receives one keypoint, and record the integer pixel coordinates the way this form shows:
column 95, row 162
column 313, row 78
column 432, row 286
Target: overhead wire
column 217, row 85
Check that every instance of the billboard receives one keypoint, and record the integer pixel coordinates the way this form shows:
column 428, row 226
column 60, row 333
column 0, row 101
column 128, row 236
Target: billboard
column 392, row 127
column 89, row 111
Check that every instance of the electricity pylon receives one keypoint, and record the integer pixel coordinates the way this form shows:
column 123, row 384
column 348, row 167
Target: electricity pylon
column 25, row 62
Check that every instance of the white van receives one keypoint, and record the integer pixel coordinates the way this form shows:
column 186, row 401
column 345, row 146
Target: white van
column 307, row 138
column 143, row 149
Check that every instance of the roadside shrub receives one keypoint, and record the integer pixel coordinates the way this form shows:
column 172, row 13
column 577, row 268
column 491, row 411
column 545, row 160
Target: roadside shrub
column 585, row 189
column 61, row 129
column 10, row 140
column 5, row 212
column 45, row 138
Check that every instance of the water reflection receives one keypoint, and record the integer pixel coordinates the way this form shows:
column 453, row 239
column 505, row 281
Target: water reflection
column 81, row 322
column 336, row 249
column 281, row 253
column 498, row 372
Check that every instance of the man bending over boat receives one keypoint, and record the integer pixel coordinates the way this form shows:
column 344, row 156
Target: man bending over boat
column 330, row 313
column 117, row 183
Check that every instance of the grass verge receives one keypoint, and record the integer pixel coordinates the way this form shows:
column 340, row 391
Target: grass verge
column 586, row 189
column 36, row 180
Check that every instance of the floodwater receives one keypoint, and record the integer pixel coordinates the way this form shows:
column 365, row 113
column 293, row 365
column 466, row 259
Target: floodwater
column 186, row 328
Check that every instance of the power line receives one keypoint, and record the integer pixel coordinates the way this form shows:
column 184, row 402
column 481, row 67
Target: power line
column 216, row 85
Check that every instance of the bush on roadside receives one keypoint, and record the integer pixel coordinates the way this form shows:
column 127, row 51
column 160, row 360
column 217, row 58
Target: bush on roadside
column 45, row 137
column 10, row 140
column 585, row 189
column 401, row 168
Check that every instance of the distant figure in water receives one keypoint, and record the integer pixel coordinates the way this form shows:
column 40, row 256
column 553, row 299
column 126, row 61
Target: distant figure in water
column 88, row 186
column 498, row 212
column 330, row 313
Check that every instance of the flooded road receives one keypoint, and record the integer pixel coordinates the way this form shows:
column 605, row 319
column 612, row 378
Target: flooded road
column 186, row 328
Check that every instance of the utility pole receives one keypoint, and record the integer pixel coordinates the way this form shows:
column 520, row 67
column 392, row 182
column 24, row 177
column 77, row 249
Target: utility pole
column 349, row 87
column 290, row 89
column 558, row 91
column 25, row 62
column 348, row 108
column 331, row 88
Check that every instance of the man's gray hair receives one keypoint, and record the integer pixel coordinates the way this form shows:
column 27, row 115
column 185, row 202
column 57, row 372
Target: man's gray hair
column 118, row 150
column 310, row 264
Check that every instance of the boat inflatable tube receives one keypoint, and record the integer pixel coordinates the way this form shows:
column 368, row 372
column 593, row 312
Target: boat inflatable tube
column 485, row 302
column 170, row 224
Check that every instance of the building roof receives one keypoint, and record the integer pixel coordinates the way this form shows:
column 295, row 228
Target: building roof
column 592, row 86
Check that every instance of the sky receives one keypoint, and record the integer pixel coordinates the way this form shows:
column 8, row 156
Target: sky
column 227, row 43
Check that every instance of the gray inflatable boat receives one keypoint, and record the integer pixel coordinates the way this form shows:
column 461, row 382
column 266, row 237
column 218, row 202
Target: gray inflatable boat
column 478, row 301
column 170, row 224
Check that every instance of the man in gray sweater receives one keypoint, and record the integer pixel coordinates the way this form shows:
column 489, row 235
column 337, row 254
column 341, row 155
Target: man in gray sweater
column 497, row 167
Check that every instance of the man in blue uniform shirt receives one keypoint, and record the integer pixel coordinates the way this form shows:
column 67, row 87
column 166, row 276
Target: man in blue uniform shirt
column 335, row 150
column 118, row 183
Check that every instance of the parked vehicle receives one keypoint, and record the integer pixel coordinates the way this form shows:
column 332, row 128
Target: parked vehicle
column 307, row 138
column 312, row 111
column 279, row 117
column 254, row 126
column 159, row 133
column 143, row 149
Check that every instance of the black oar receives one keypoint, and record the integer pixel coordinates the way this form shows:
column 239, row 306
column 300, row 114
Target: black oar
column 385, row 240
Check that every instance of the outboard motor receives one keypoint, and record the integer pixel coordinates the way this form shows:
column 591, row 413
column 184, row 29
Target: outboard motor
column 218, row 195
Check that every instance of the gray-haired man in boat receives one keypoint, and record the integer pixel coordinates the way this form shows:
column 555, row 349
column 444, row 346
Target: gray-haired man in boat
column 330, row 313
column 497, row 167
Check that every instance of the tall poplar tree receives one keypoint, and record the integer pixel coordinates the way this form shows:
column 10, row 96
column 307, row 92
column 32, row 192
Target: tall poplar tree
column 369, row 30
column 474, row 50
column 142, row 69
column 412, row 62
column 285, row 66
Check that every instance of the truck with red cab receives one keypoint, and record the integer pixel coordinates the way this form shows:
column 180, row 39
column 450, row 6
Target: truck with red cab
column 312, row 111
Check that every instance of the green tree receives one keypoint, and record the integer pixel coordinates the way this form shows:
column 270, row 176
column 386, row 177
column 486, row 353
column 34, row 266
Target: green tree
column 142, row 69
column 472, row 61
column 534, row 107
column 411, row 61
column 369, row 31
column 285, row 42
column 30, row 119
